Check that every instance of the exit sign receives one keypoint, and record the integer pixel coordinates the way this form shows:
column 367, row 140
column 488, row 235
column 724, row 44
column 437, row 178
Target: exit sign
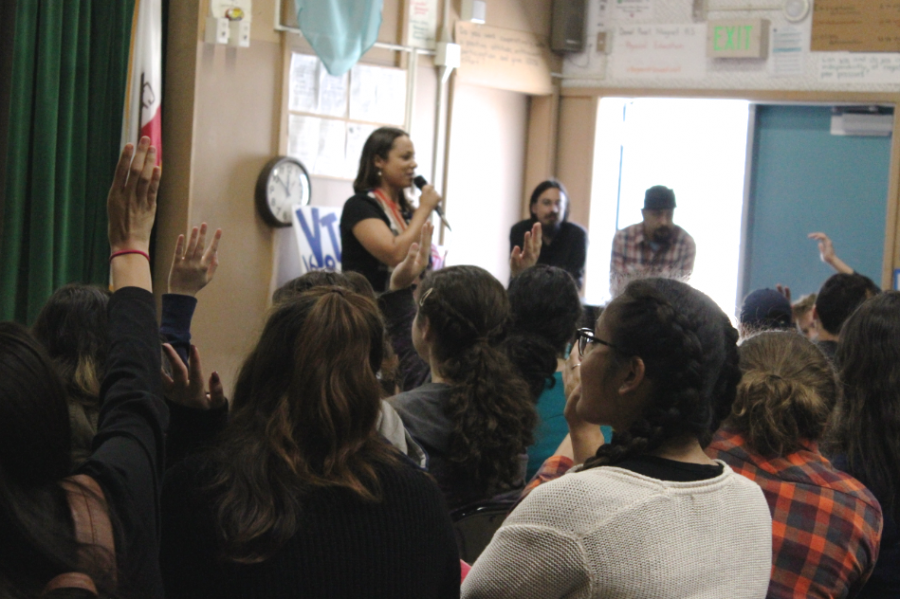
column 738, row 38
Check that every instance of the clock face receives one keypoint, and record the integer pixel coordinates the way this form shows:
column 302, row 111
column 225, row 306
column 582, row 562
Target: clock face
column 287, row 186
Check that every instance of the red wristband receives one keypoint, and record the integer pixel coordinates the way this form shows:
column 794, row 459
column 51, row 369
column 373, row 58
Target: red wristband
column 123, row 252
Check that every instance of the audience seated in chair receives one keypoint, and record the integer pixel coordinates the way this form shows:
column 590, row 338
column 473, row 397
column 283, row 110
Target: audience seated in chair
column 827, row 525
column 546, row 310
column 648, row 515
column 301, row 497
column 838, row 297
column 864, row 435
column 476, row 417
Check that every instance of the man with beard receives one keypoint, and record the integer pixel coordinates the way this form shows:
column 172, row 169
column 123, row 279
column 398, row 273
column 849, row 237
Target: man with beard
column 564, row 244
column 655, row 247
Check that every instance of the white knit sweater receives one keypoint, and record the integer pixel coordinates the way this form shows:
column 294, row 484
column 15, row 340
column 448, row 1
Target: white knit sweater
column 610, row 532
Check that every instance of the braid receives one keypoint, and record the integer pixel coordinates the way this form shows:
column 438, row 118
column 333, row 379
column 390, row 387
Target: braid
column 689, row 355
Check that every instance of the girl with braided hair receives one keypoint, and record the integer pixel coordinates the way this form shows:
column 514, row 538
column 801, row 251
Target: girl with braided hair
column 475, row 418
column 649, row 514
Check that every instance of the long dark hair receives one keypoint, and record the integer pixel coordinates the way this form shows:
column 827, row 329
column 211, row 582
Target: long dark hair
column 38, row 541
column 304, row 413
column 786, row 394
column 379, row 143
column 72, row 326
column 544, row 186
column 866, row 424
column 545, row 313
column 493, row 415
column 689, row 349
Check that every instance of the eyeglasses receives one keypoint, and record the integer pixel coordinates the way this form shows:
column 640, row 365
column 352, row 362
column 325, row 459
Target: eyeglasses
column 586, row 339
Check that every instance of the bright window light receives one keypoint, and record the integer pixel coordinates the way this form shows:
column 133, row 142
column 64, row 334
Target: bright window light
column 696, row 147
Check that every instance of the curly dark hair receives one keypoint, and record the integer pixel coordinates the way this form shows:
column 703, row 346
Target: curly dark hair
column 468, row 311
column 545, row 313
column 689, row 349
column 865, row 426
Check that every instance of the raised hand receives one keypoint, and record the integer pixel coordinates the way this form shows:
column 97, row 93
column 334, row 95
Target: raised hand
column 416, row 261
column 131, row 203
column 185, row 387
column 827, row 254
column 131, row 210
column 526, row 256
column 194, row 267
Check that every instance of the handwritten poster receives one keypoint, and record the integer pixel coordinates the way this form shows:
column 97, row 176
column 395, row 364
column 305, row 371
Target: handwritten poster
column 421, row 23
column 856, row 26
column 504, row 59
column 659, row 52
column 859, row 67
column 317, row 230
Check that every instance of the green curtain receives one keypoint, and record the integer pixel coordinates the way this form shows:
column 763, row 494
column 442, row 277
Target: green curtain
column 70, row 60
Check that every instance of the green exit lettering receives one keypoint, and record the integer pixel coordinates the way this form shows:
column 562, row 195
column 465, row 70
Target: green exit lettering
column 731, row 38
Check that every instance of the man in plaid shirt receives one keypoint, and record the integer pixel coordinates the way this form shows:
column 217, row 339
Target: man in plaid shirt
column 826, row 525
column 654, row 247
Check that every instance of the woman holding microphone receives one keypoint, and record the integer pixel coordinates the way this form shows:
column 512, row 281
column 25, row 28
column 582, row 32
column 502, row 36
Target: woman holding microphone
column 378, row 223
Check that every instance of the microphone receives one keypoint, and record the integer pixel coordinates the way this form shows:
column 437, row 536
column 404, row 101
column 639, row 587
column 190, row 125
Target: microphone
column 421, row 182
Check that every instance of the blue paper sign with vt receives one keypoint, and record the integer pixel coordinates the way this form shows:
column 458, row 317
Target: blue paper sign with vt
column 318, row 237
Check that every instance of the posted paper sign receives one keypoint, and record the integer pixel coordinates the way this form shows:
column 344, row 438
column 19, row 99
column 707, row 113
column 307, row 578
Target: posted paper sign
column 633, row 10
column 421, row 24
column 318, row 237
column 873, row 67
column 659, row 52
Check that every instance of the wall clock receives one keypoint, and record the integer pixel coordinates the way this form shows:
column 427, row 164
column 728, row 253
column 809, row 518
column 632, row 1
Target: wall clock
column 282, row 184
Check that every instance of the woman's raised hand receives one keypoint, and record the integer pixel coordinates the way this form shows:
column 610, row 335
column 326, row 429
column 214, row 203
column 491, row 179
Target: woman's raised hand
column 131, row 210
column 406, row 273
column 193, row 268
column 131, row 203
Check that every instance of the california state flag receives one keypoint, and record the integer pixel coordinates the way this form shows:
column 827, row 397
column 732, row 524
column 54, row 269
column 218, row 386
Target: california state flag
column 143, row 94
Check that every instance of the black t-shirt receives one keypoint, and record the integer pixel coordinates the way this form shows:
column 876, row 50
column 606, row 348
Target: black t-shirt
column 354, row 257
column 567, row 250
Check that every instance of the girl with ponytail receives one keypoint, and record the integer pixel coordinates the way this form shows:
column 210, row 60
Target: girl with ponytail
column 784, row 400
column 475, row 418
column 649, row 514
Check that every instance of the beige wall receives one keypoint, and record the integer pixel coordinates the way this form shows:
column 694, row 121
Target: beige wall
column 222, row 121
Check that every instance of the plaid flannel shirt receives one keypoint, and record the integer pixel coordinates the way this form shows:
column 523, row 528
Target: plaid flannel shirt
column 552, row 468
column 633, row 256
column 826, row 525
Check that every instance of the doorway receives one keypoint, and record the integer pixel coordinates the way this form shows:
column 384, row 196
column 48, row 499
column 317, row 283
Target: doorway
column 696, row 147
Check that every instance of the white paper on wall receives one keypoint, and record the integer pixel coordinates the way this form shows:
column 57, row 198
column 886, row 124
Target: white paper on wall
column 789, row 51
column 378, row 94
column 659, row 52
column 320, row 144
column 632, row 10
column 421, row 23
column 859, row 67
column 313, row 90
column 357, row 134
column 303, row 88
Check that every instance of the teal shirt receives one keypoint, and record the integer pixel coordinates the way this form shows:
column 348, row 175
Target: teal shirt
column 552, row 427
